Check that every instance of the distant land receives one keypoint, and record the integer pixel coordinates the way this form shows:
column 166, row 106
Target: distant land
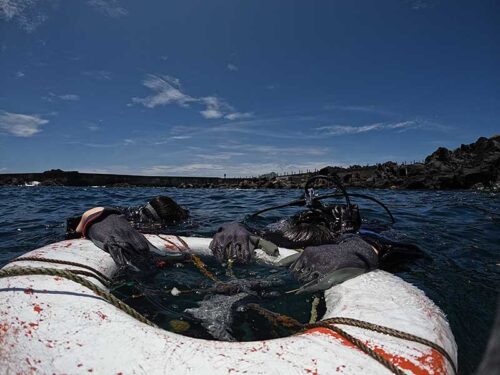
column 472, row 166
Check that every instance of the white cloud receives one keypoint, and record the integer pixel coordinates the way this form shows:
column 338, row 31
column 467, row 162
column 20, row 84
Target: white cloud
column 111, row 8
column 167, row 90
column 70, row 97
column 51, row 97
column 266, row 150
column 275, row 150
column 274, row 128
column 233, row 169
column 20, row 125
column 266, row 128
column 95, row 145
column 220, row 155
column 11, row 8
column 238, row 115
column 421, row 4
column 404, row 125
column 171, row 139
column 232, row 67
column 127, row 142
column 93, row 126
column 347, row 129
column 335, row 130
column 217, row 168
column 359, row 108
column 185, row 168
column 102, row 75
column 25, row 12
column 29, row 15
column 215, row 107
column 211, row 114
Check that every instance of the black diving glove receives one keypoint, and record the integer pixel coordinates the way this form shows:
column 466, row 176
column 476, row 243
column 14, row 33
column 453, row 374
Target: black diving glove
column 71, row 225
column 112, row 233
column 321, row 267
column 234, row 241
column 393, row 254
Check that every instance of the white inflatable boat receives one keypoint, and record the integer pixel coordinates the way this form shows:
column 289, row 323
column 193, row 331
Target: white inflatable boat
column 52, row 325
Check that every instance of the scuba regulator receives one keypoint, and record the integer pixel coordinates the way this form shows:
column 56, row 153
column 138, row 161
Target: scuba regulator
column 342, row 218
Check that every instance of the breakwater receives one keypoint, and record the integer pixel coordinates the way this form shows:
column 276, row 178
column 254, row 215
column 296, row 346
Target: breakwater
column 74, row 178
column 472, row 166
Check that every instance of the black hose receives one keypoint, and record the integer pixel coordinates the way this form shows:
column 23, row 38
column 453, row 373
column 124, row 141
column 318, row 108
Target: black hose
column 335, row 195
column 335, row 179
column 302, row 202
column 297, row 203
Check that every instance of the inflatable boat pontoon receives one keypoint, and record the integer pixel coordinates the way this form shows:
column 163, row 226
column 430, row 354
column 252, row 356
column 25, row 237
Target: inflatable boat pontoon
column 52, row 325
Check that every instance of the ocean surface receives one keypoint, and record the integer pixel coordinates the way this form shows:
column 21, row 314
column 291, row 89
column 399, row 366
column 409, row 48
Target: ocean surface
column 459, row 231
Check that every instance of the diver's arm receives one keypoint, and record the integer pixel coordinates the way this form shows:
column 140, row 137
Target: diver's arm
column 74, row 224
column 321, row 267
column 392, row 253
column 85, row 217
column 111, row 232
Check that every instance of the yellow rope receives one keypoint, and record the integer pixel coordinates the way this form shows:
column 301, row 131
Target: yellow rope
column 289, row 322
column 314, row 310
column 203, row 268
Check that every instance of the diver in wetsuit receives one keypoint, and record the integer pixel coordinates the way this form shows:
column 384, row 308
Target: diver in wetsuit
column 160, row 212
column 114, row 230
column 334, row 247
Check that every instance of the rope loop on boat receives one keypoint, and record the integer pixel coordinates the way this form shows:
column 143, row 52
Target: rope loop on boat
column 289, row 322
column 385, row 330
column 72, row 276
column 65, row 262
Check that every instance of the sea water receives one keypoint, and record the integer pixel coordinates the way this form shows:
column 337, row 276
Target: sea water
column 459, row 231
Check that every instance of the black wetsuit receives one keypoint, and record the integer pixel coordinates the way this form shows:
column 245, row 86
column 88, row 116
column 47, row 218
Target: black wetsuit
column 138, row 217
column 390, row 253
column 111, row 231
column 323, row 266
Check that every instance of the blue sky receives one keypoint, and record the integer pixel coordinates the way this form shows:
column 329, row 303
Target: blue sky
column 242, row 87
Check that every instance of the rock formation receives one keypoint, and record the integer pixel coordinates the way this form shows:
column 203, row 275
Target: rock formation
column 473, row 166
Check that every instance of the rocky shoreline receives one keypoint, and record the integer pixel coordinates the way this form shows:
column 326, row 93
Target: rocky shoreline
column 472, row 166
